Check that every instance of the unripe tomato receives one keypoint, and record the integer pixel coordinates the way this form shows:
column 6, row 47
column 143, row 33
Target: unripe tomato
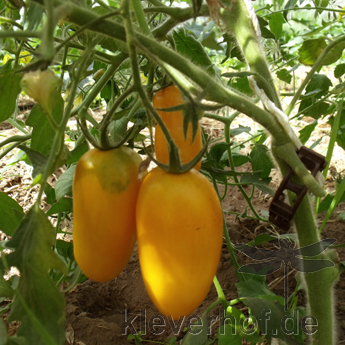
column 105, row 190
column 167, row 98
column 180, row 231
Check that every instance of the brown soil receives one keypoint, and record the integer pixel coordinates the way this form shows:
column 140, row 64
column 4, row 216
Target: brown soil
column 94, row 311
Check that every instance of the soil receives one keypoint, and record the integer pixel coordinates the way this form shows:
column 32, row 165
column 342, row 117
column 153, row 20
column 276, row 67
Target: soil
column 95, row 312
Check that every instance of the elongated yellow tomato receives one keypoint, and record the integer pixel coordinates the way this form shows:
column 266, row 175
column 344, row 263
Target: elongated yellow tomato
column 180, row 230
column 105, row 190
column 167, row 98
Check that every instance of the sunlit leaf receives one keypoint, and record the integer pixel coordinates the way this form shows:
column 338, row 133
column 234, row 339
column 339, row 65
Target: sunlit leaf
column 193, row 50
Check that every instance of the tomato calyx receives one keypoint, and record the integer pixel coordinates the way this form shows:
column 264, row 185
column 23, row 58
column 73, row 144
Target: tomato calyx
column 175, row 166
column 104, row 143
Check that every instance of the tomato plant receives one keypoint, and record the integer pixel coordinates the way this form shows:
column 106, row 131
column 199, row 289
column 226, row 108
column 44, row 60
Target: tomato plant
column 105, row 190
column 188, row 148
column 180, row 229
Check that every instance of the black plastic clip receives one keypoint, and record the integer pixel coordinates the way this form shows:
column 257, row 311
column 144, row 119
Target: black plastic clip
column 281, row 213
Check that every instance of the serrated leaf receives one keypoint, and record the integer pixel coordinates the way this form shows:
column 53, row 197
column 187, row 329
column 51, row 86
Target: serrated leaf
column 38, row 303
column 189, row 47
column 284, row 75
column 305, row 133
column 242, row 85
column 339, row 70
column 261, row 160
column 11, row 214
column 276, row 24
column 63, row 205
column 64, row 183
column 43, row 133
column 9, row 90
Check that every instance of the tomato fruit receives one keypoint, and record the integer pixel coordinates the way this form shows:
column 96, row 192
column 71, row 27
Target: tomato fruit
column 105, row 190
column 167, row 98
column 180, row 231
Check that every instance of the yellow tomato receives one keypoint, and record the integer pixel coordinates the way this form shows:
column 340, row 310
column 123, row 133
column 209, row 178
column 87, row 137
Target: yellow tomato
column 168, row 98
column 180, row 231
column 105, row 190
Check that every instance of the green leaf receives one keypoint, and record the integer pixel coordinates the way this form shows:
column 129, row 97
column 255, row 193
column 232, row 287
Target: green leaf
column 64, row 183
column 305, row 133
column 312, row 49
column 196, row 7
column 217, row 150
column 197, row 335
column 65, row 249
column 342, row 216
column 11, row 214
column 211, row 42
column 239, row 159
column 43, row 133
column 284, row 75
column 257, row 182
column 271, row 326
column 5, row 288
column 33, row 16
column 50, row 193
column 261, row 160
column 37, row 159
column 38, row 303
column 289, row 4
column 242, row 85
column 3, row 333
column 227, row 335
column 78, row 152
column 240, row 129
column 253, row 288
column 63, row 205
column 276, row 24
column 339, row 70
column 9, row 90
column 189, row 47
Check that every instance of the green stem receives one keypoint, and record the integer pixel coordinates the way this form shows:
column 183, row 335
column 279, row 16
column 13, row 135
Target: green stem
column 15, row 138
column 20, row 34
column 48, row 32
column 101, row 83
column 9, row 149
column 237, row 19
column 13, row 22
column 58, row 142
column 316, row 66
column 333, row 137
column 220, row 292
column 139, row 13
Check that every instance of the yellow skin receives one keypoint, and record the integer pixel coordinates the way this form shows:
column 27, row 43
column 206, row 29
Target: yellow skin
column 105, row 190
column 180, row 231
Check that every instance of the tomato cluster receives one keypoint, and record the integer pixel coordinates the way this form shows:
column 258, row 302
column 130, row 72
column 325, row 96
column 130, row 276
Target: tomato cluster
column 177, row 219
